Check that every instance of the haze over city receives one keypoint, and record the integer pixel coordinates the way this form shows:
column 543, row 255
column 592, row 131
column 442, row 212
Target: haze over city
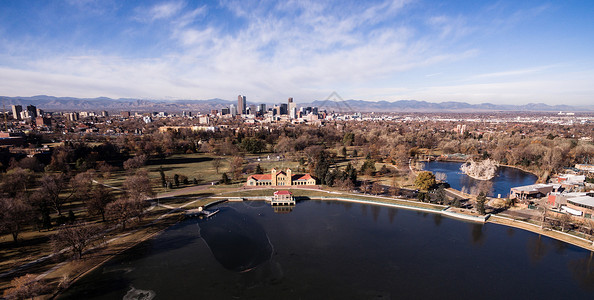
column 504, row 52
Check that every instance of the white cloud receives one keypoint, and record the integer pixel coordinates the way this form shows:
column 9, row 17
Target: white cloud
column 300, row 49
column 518, row 72
column 159, row 11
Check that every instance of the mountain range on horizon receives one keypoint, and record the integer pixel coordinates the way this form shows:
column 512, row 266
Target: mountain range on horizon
column 51, row 103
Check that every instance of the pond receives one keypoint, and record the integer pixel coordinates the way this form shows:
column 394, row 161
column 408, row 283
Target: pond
column 340, row 250
column 501, row 184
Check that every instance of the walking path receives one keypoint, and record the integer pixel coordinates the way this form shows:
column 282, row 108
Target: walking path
column 107, row 185
column 562, row 236
column 414, row 205
column 172, row 209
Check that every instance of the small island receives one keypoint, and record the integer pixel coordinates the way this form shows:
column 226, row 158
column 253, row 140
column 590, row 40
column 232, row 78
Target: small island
column 484, row 170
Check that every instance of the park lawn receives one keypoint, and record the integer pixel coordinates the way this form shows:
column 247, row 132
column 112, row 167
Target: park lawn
column 32, row 245
column 195, row 165
column 268, row 164
column 330, row 195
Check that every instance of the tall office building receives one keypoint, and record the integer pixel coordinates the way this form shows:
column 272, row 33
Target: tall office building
column 284, row 109
column 262, row 109
column 252, row 109
column 32, row 111
column 232, row 109
column 292, row 107
column 241, row 105
column 16, row 112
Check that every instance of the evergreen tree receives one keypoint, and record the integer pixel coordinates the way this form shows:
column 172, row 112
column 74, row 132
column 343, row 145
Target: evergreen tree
column 162, row 173
column 481, row 199
column 322, row 165
column 225, row 179
column 259, row 169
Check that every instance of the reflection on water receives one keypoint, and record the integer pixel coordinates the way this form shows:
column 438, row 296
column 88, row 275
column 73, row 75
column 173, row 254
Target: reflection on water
column 283, row 209
column 392, row 212
column 437, row 219
column 331, row 250
column 478, row 236
column 135, row 294
column 375, row 211
column 537, row 248
column 560, row 246
column 501, row 184
column 236, row 240
column 583, row 271
column 474, row 187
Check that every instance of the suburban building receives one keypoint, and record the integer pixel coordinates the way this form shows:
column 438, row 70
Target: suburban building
column 581, row 205
column 282, row 198
column 571, row 181
column 280, row 178
column 585, row 168
column 531, row 191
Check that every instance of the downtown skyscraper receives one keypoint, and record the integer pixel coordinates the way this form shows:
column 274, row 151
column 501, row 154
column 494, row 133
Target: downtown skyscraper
column 241, row 105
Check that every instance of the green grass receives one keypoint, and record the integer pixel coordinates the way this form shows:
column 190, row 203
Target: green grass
column 333, row 194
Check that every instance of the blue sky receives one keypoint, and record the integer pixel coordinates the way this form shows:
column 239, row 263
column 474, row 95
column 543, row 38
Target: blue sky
column 506, row 52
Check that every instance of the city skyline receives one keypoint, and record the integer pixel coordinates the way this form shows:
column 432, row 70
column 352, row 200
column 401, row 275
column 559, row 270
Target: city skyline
column 499, row 52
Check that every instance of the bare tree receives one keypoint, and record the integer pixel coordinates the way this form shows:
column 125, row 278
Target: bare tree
column 543, row 217
column 77, row 238
column 135, row 162
column 52, row 186
column 138, row 186
column 24, row 287
column 345, row 184
column 565, row 221
column 16, row 181
column 235, row 167
column 122, row 211
column 394, row 188
column 99, row 198
column 377, row 188
column 216, row 163
column 285, row 145
column 105, row 169
column 365, row 186
column 14, row 215
column 81, row 185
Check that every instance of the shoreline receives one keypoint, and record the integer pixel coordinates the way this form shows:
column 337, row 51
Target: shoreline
column 166, row 222
column 121, row 244
column 553, row 234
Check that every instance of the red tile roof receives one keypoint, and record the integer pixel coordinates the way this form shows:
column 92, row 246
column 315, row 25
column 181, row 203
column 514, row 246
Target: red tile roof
column 282, row 193
column 303, row 177
column 261, row 177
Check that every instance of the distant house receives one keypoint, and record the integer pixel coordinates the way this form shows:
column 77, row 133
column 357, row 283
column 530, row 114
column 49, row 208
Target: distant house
column 280, row 178
column 585, row 168
column 571, row 181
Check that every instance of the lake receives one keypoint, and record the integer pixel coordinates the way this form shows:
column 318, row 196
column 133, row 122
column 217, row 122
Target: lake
column 505, row 179
column 340, row 250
